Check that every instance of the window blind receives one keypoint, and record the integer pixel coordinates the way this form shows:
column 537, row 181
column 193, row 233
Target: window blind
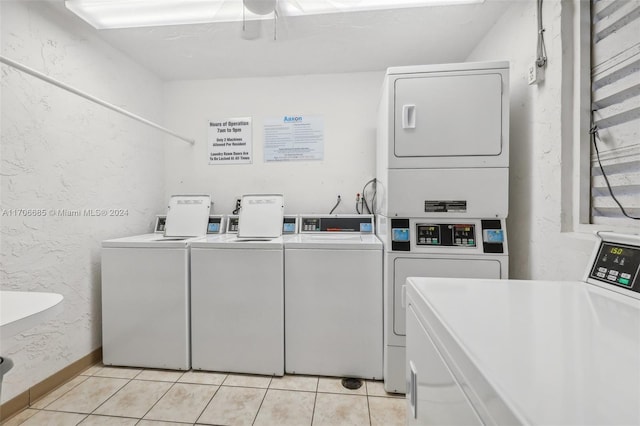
column 615, row 101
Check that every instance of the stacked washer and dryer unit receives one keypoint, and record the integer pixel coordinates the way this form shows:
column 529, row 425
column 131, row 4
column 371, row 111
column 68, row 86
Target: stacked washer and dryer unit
column 442, row 184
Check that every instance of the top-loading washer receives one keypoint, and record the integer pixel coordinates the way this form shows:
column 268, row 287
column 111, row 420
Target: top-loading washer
column 145, row 290
column 333, row 297
column 529, row 352
column 237, row 291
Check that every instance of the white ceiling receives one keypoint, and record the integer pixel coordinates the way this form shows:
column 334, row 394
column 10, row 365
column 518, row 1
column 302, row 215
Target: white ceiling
column 332, row 43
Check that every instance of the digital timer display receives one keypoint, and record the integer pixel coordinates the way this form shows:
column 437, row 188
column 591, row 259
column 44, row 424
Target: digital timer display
column 616, row 250
column 618, row 265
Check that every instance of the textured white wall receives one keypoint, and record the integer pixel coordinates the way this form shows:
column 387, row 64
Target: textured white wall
column 348, row 103
column 62, row 152
column 538, row 248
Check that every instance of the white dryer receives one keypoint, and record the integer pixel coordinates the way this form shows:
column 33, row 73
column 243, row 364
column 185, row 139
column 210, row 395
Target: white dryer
column 145, row 290
column 459, row 248
column 237, row 301
column 443, row 141
column 516, row 352
column 333, row 298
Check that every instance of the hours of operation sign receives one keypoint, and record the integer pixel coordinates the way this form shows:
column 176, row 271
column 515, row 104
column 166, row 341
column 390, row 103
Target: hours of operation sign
column 230, row 141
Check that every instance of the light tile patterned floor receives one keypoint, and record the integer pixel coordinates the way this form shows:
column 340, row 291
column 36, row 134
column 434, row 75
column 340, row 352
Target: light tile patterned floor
column 132, row 396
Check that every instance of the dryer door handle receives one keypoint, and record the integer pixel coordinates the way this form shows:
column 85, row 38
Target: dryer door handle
column 408, row 116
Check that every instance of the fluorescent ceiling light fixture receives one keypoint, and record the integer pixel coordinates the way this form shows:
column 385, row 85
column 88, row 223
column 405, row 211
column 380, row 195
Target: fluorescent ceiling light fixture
column 103, row 14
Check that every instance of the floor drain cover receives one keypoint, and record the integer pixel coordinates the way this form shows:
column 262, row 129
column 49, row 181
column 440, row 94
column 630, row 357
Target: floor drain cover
column 350, row 383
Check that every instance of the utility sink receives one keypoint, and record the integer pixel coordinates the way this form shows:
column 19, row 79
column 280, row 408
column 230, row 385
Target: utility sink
column 21, row 310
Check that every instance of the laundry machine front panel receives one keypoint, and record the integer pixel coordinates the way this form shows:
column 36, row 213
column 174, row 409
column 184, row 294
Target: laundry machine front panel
column 326, row 290
column 400, row 268
column 238, row 310
column 145, row 307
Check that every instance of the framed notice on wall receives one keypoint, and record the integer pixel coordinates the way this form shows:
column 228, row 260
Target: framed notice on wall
column 230, row 141
column 294, row 138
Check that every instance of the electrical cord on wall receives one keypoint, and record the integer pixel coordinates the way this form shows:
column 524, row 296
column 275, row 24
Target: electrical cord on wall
column 594, row 137
column 237, row 209
column 363, row 201
column 541, row 51
column 337, row 204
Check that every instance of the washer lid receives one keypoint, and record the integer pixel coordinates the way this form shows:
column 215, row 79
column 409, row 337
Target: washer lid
column 187, row 216
column 261, row 216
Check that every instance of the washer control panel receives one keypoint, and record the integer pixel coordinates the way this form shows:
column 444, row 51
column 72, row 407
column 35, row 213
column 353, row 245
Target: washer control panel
column 161, row 223
column 617, row 264
column 232, row 224
column 215, row 225
column 362, row 224
column 290, row 225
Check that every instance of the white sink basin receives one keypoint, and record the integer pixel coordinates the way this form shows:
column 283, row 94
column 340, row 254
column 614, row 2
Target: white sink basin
column 21, row 310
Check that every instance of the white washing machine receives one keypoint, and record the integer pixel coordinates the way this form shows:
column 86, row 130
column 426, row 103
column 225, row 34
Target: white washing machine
column 528, row 352
column 333, row 298
column 145, row 290
column 237, row 301
column 461, row 248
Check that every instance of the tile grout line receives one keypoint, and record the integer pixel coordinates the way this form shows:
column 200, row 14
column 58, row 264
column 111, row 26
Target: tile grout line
column 209, row 402
column 366, row 385
column 156, row 403
column 53, row 390
column 260, row 407
column 111, row 396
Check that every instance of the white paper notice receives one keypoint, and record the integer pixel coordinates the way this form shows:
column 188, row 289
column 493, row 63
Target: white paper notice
column 230, row 141
column 294, row 138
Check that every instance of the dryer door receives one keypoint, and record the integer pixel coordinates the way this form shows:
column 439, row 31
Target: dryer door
column 435, row 267
column 448, row 116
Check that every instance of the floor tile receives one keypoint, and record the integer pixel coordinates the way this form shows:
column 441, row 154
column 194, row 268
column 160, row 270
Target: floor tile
column 299, row 383
column 135, row 399
column 375, row 388
column 160, row 423
column 21, row 417
column 58, row 392
column 88, row 395
column 160, row 375
column 202, row 378
column 334, row 385
column 233, row 406
column 94, row 420
column 335, row 409
column 387, row 411
column 118, row 372
column 182, row 403
column 92, row 370
column 247, row 381
column 284, row 408
column 54, row 418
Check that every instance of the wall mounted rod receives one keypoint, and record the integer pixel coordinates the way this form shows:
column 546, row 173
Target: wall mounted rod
column 89, row 97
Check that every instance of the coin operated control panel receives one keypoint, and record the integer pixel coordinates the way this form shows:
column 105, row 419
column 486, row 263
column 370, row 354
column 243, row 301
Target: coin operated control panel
column 215, row 224
column 485, row 236
column 361, row 223
column 618, row 264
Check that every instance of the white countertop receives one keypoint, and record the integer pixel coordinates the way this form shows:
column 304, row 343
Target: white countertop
column 555, row 352
column 20, row 310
